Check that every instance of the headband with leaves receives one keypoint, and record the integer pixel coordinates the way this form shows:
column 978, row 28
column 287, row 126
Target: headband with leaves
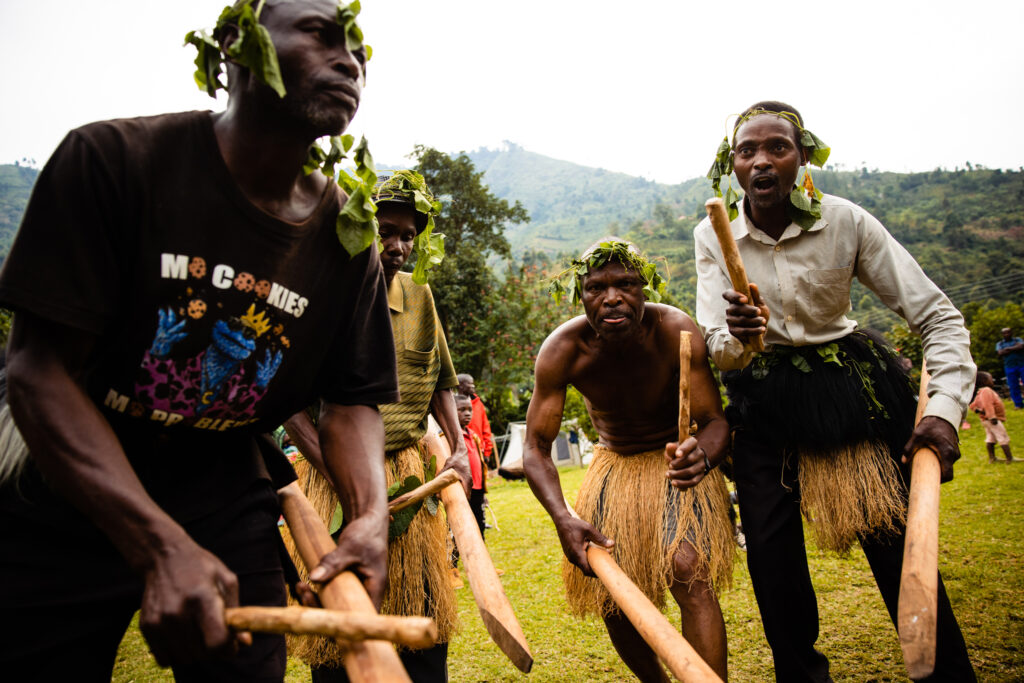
column 805, row 199
column 571, row 279
column 254, row 50
column 409, row 187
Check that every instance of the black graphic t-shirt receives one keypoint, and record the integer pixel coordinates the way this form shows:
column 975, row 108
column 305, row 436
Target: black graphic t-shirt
column 215, row 320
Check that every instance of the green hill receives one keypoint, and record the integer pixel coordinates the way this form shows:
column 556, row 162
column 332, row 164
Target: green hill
column 965, row 227
column 15, row 186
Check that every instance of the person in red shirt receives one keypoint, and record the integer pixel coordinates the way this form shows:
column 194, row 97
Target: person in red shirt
column 479, row 424
column 477, row 466
column 990, row 409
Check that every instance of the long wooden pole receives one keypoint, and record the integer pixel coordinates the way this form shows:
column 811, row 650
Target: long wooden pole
column 433, row 486
column 417, row 632
column 368, row 661
column 669, row 644
column 919, row 583
column 495, row 609
column 733, row 263
column 684, row 386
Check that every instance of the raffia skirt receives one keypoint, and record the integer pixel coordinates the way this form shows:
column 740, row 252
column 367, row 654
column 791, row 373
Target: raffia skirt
column 628, row 498
column 418, row 567
column 842, row 425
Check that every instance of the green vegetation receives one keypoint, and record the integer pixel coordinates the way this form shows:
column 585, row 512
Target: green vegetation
column 979, row 555
column 16, row 183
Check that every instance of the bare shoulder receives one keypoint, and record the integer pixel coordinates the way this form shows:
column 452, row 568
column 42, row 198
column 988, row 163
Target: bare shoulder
column 669, row 319
column 562, row 347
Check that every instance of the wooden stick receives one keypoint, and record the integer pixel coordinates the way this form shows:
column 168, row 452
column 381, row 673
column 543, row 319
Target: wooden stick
column 418, row 632
column 669, row 644
column 733, row 263
column 367, row 661
column 919, row 583
column 684, row 386
column 495, row 609
column 420, row 492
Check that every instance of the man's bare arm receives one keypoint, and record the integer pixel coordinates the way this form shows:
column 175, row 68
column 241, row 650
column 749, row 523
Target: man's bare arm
column 352, row 444
column 73, row 445
column 687, row 466
column 305, row 437
column 543, row 420
column 442, row 406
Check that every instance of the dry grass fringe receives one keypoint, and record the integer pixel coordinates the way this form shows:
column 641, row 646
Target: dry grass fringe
column 416, row 560
column 850, row 492
column 13, row 451
column 629, row 500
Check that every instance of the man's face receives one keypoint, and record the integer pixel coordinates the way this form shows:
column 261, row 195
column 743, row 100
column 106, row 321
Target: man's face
column 467, row 387
column 1007, row 333
column 767, row 159
column 397, row 232
column 465, row 409
column 323, row 79
column 613, row 301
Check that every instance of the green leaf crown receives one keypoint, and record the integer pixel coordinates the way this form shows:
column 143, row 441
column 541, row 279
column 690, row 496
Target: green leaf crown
column 805, row 199
column 612, row 249
column 409, row 187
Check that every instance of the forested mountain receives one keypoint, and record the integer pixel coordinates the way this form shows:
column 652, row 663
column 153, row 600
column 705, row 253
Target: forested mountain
column 965, row 227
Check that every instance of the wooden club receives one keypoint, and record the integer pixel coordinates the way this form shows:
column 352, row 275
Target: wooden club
column 733, row 263
column 919, row 583
column 418, row 632
column 495, row 609
column 668, row 643
column 433, row 486
column 367, row 661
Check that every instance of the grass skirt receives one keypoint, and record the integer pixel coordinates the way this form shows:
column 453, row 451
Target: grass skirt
column 418, row 568
column 846, row 444
column 628, row 498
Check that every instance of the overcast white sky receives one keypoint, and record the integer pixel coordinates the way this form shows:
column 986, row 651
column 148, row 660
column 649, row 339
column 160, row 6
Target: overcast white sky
column 641, row 87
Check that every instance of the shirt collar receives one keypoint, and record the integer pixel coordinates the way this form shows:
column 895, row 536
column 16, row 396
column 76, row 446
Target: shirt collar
column 742, row 227
column 396, row 295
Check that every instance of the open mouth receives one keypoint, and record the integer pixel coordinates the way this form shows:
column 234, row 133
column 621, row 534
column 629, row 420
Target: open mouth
column 764, row 183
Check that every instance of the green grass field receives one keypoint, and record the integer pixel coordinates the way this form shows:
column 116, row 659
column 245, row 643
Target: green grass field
column 979, row 556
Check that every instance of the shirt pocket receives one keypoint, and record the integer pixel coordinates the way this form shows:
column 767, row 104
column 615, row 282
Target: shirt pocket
column 417, row 361
column 830, row 292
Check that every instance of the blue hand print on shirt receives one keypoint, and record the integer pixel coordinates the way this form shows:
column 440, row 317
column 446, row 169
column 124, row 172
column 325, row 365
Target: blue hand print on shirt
column 168, row 333
column 266, row 369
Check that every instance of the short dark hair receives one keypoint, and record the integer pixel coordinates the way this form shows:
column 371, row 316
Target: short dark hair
column 462, row 397
column 771, row 107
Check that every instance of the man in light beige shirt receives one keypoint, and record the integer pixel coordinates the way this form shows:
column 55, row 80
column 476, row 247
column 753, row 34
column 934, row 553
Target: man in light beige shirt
column 823, row 419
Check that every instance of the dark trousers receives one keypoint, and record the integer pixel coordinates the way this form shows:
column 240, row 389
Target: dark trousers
column 476, row 504
column 1014, row 378
column 769, row 498
column 67, row 596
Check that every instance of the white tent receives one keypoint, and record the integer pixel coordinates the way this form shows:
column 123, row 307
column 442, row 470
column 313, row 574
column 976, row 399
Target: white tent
column 569, row 448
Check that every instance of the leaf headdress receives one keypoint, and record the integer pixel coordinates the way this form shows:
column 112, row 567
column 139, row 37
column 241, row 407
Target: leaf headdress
column 409, row 187
column 571, row 279
column 805, row 199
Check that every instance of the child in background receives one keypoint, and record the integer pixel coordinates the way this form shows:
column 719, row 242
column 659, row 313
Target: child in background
column 990, row 409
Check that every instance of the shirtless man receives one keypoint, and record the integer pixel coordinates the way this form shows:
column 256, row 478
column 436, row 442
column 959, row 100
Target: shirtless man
column 623, row 355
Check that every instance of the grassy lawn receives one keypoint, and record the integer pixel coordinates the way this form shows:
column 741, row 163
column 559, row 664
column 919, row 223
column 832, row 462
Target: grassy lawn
column 981, row 524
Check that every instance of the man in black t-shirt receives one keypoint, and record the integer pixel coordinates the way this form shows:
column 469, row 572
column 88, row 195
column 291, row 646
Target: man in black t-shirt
column 179, row 289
